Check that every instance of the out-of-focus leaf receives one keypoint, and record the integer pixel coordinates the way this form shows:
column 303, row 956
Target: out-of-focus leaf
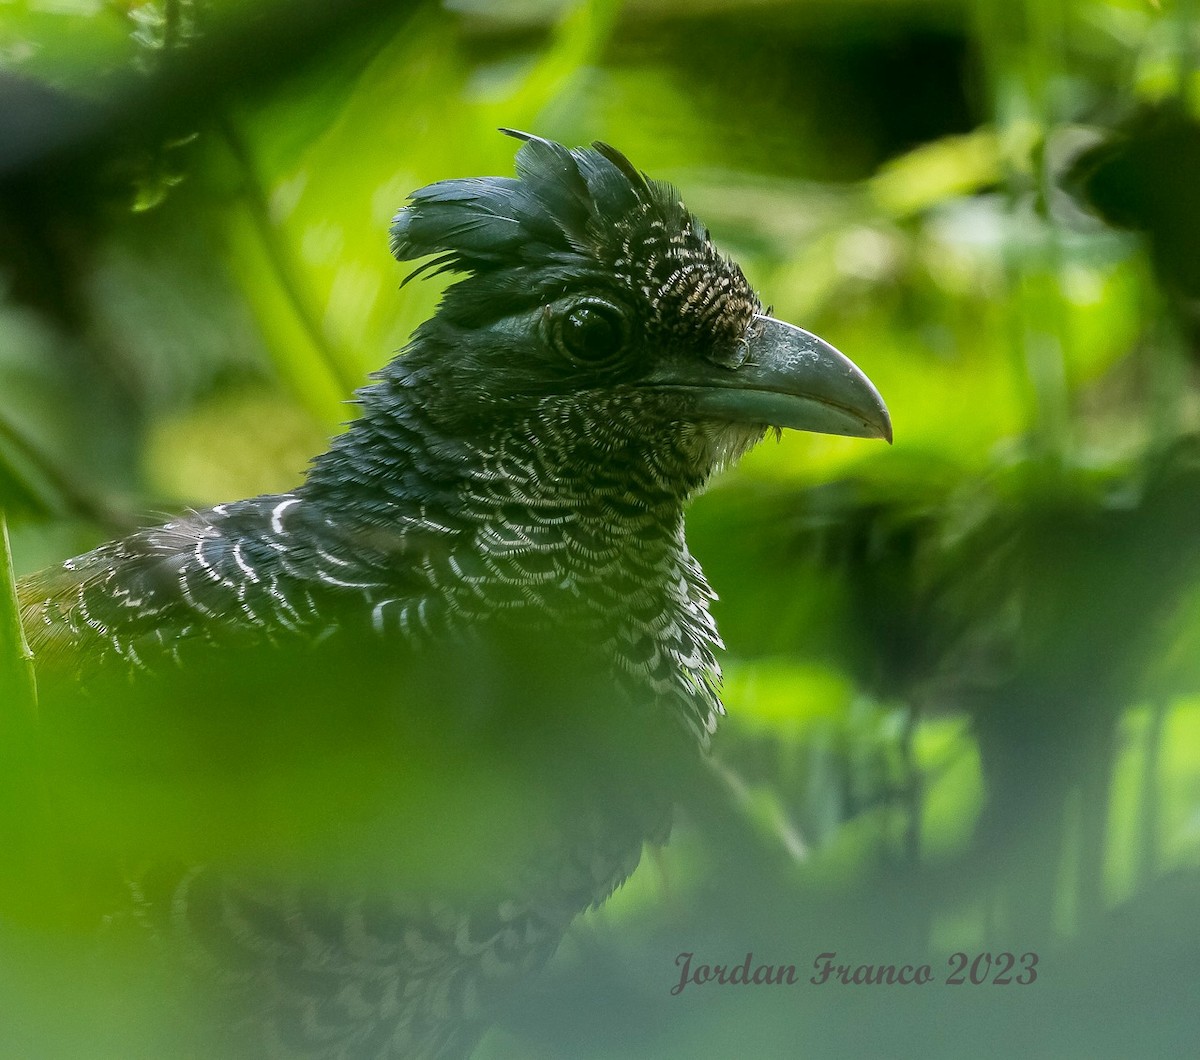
column 239, row 444
column 945, row 169
column 951, row 786
column 18, row 694
column 780, row 694
column 1178, row 757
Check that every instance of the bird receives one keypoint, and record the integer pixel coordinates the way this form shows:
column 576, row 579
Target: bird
column 435, row 701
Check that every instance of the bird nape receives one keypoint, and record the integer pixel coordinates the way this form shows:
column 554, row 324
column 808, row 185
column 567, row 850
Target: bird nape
column 355, row 756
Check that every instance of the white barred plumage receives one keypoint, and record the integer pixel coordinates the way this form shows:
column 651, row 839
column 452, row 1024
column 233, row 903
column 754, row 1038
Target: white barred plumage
column 523, row 466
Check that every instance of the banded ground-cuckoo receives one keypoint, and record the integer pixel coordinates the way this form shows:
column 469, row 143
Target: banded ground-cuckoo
column 393, row 730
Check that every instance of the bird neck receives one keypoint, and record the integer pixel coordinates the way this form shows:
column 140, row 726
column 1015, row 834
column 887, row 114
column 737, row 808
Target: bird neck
column 584, row 478
column 568, row 514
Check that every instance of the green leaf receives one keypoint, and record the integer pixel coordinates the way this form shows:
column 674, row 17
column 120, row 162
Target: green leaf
column 30, row 877
column 18, row 691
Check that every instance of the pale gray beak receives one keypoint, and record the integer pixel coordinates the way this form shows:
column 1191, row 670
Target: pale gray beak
column 791, row 378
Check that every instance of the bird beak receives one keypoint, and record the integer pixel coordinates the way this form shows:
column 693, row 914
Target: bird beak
column 791, row 378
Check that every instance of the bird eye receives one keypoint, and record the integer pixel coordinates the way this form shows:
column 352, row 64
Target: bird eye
column 591, row 332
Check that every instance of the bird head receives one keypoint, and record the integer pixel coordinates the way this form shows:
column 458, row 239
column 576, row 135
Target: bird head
column 593, row 299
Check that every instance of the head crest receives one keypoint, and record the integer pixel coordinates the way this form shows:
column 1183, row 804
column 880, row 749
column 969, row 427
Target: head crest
column 557, row 207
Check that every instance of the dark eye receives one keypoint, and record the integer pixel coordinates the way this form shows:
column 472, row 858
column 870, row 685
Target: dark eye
column 591, row 332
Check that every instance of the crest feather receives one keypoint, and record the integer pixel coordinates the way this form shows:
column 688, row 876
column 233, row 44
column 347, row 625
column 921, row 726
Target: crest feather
column 558, row 204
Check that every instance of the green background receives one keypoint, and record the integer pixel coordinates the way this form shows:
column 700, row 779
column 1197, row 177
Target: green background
column 963, row 673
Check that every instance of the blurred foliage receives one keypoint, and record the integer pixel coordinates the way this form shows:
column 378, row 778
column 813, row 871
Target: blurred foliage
column 964, row 695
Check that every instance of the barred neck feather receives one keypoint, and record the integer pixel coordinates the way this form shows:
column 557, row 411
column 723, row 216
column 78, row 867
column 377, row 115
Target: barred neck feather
column 569, row 514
